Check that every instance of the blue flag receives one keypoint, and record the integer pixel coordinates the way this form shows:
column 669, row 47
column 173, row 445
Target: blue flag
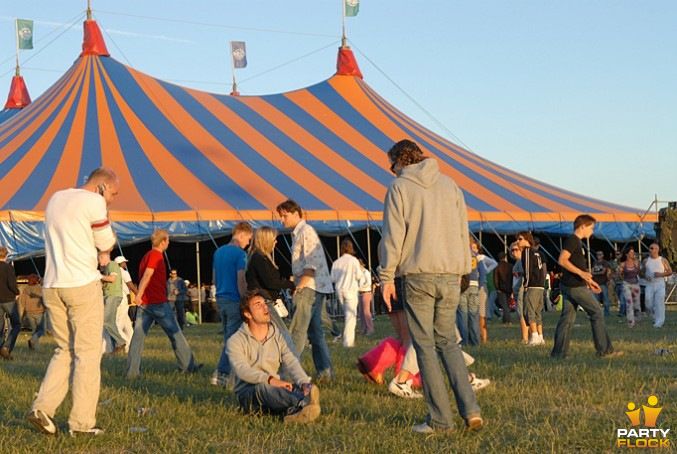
column 239, row 54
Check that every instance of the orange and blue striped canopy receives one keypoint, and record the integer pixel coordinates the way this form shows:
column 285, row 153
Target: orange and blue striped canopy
column 197, row 161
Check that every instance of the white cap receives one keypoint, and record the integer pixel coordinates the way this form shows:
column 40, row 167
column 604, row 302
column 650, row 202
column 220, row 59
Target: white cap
column 120, row 258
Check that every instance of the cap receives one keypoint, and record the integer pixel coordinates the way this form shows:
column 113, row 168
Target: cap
column 120, row 258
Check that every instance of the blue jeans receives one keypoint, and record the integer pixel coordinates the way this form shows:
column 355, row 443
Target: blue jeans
column 572, row 297
column 163, row 315
column 468, row 316
column 431, row 301
column 36, row 321
column 307, row 324
column 110, row 312
column 12, row 311
column 231, row 320
column 179, row 304
column 269, row 399
column 621, row 298
column 605, row 299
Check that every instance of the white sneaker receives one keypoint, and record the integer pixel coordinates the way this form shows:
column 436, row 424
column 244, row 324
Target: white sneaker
column 403, row 389
column 93, row 431
column 478, row 383
column 42, row 422
column 535, row 340
column 219, row 379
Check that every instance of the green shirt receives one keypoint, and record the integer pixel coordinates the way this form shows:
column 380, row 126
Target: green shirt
column 113, row 288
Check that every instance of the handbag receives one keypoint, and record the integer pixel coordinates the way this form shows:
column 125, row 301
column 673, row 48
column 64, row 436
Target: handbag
column 280, row 308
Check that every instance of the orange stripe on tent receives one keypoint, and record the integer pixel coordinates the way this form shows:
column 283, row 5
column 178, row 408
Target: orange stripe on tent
column 15, row 178
column 508, row 173
column 111, row 152
column 213, row 150
column 33, row 109
column 315, row 146
column 186, row 185
column 25, row 133
column 273, row 154
column 351, row 92
column 66, row 172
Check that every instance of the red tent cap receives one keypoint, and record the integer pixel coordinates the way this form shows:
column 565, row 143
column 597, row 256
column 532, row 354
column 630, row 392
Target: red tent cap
column 18, row 94
column 93, row 43
column 346, row 65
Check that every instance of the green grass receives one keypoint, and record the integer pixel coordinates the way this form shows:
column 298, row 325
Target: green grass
column 535, row 404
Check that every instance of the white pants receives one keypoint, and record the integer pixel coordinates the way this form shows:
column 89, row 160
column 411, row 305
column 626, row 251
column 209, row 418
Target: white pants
column 349, row 301
column 654, row 298
column 125, row 328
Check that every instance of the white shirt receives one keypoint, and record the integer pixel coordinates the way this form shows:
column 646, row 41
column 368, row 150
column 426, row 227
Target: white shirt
column 365, row 281
column 76, row 225
column 126, row 277
column 654, row 266
column 346, row 273
column 307, row 254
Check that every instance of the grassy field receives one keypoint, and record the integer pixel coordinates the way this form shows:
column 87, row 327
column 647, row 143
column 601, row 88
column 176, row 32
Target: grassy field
column 535, row 404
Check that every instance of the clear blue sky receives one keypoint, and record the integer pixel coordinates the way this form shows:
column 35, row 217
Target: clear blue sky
column 580, row 94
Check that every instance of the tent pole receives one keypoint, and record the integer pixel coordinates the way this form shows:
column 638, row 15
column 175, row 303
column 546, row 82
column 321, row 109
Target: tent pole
column 199, row 282
column 505, row 243
column 369, row 248
column 587, row 240
column 338, row 247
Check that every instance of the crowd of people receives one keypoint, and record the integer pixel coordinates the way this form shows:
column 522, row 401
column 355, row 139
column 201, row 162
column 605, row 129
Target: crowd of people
column 437, row 283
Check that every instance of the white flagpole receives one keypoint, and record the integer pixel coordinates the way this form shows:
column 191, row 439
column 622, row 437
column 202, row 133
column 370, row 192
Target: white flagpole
column 16, row 38
column 232, row 65
column 343, row 36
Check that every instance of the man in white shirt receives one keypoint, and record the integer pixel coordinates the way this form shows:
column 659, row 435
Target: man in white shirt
column 313, row 285
column 76, row 225
column 346, row 274
column 655, row 269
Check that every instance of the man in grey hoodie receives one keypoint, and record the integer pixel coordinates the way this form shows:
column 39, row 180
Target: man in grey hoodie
column 425, row 238
column 256, row 352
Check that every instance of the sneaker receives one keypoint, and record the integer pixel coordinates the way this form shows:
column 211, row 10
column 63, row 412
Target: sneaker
column 423, row 429
column 474, row 422
column 614, row 354
column 42, row 422
column 535, row 340
column 338, row 338
column 310, row 409
column 4, row 352
column 94, row 431
column 376, row 379
column 403, row 389
column 219, row 379
column 478, row 383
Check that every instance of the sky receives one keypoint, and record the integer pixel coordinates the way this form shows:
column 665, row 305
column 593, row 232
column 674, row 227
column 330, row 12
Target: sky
column 581, row 94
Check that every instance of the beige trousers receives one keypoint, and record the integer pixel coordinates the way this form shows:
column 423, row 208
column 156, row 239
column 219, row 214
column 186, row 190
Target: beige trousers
column 77, row 320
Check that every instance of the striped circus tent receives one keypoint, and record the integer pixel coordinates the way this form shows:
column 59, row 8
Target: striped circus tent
column 197, row 162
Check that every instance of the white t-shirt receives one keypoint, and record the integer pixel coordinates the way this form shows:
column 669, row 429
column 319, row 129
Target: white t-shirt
column 346, row 273
column 76, row 225
column 126, row 277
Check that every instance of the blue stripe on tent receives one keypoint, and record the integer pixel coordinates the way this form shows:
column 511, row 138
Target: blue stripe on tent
column 30, row 141
column 36, row 184
column 6, row 114
column 242, row 151
column 510, row 174
column 175, row 142
column 326, row 136
column 91, row 144
column 154, row 190
column 318, row 167
column 425, row 141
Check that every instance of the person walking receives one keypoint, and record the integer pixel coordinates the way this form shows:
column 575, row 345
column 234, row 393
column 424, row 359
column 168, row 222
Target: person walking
column 346, row 275
column 9, row 293
column 425, row 238
column 577, row 287
column 154, row 307
column 76, row 225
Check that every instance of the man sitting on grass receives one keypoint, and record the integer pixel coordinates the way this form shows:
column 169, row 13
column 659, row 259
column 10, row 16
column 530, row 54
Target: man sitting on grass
column 256, row 352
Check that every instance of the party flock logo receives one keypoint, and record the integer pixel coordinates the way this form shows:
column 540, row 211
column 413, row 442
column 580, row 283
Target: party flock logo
column 649, row 436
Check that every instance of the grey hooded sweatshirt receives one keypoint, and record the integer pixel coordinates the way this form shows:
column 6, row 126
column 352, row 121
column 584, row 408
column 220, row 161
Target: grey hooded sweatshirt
column 425, row 225
column 254, row 362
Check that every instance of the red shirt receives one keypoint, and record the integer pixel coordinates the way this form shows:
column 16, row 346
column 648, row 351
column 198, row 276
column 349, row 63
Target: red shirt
column 156, row 291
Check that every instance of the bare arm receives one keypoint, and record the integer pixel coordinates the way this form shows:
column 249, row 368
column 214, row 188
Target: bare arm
column 132, row 286
column 565, row 263
column 145, row 279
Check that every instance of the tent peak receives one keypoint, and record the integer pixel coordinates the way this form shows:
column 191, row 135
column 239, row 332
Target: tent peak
column 93, row 43
column 346, row 65
column 18, row 94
